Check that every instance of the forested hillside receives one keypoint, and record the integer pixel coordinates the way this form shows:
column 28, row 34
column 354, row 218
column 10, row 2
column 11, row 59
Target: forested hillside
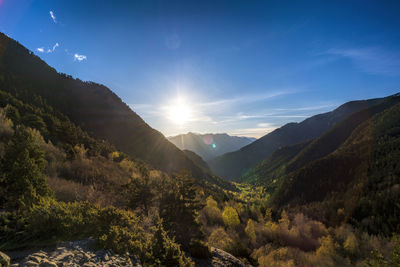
column 335, row 178
column 232, row 165
column 59, row 183
column 93, row 107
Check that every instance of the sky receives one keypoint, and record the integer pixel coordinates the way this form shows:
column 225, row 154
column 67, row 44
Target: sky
column 237, row 67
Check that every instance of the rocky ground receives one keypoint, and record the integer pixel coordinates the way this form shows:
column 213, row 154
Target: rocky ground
column 84, row 253
column 77, row 253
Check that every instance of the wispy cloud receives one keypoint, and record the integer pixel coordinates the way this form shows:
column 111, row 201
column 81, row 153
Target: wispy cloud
column 309, row 108
column 208, row 107
column 259, row 131
column 49, row 50
column 79, row 57
column 372, row 60
column 53, row 16
column 54, row 48
column 221, row 115
column 245, row 99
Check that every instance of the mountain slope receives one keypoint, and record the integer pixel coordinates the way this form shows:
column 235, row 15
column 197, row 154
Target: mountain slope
column 209, row 146
column 92, row 106
column 197, row 159
column 299, row 155
column 233, row 165
column 358, row 182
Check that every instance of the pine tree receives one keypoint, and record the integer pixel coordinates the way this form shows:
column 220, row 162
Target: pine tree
column 168, row 253
column 178, row 209
column 23, row 168
column 139, row 191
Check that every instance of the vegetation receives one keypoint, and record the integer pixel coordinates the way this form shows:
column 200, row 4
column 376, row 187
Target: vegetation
column 233, row 165
column 73, row 190
column 331, row 201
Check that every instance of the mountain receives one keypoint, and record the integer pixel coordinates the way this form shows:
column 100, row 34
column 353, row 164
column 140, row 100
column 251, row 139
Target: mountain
column 93, row 107
column 358, row 182
column 234, row 164
column 351, row 173
column 209, row 146
column 197, row 159
column 288, row 159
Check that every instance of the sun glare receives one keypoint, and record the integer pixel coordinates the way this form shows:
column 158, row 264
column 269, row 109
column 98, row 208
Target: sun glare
column 179, row 112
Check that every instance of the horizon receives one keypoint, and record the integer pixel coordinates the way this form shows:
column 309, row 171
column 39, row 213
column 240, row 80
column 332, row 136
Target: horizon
column 216, row 68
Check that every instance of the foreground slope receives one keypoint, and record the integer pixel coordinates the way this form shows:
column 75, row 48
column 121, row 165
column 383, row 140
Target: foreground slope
column 209, row 146
column 232, row 165
column 93, row 107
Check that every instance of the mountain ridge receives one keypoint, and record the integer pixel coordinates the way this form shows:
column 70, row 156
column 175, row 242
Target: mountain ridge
column 209, row 145
column 92, row 106
column 234, row 164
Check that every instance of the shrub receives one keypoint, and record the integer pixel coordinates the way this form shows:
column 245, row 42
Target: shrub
column 220, row 239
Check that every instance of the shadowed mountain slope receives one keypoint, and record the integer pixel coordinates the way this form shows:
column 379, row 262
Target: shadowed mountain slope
column 93, row 107
column 232, row 165
column 197, row 159
column 291, row 158
column 358, row 182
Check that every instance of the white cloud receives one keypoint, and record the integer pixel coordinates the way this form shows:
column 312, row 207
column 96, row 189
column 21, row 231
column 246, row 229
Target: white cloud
column 53, row 17
column 256, row 132
column 49, row 50
column 372, row 60
column 247, row 98
column 54, row 48
column 79, row 57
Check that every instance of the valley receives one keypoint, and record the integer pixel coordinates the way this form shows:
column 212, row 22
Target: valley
column 86, row 179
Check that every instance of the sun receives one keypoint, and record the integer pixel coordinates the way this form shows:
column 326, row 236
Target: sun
column 179, row 111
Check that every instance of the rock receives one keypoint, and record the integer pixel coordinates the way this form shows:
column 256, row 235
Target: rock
column 77, row 253
column 30, row 263
column 47, row 263
column 220, row 258
column 34, row 258
column 4, row 260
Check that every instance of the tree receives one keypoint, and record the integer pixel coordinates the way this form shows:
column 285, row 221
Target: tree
column 351, row 244
column 250, row 230
column 166, row 250
column 139, row 191
column 178, row 209
column 23, row 168
column 230, row 217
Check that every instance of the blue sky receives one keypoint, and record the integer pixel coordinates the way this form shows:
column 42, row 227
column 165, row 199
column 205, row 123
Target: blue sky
column 241, row 67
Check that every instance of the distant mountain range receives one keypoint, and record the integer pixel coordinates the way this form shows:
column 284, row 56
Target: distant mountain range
column 209, row 146
column 93, row 107
column 234, row 164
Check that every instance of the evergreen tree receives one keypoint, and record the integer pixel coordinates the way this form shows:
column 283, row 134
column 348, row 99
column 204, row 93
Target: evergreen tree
column 166, row 250
column 178, row 209
column 139, row 191
column 23, row 166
